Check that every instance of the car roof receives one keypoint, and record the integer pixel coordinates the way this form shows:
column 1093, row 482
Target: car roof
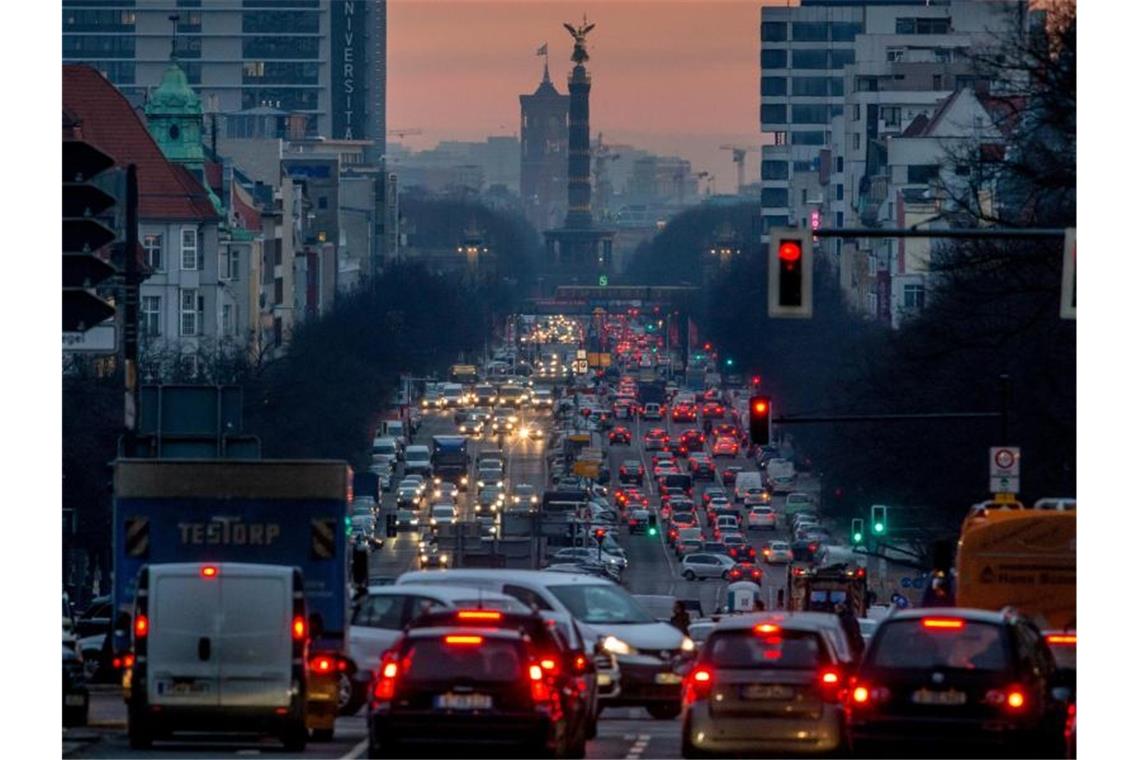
column 796, row 621
column 967, row 614
column 450, row 593
column 512, row 634
column 540, row 577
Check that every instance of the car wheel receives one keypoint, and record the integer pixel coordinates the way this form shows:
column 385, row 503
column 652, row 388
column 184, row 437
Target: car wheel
column 689, row 575
column 664, row 710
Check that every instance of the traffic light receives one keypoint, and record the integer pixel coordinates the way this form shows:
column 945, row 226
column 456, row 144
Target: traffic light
column 760, row 420
column 390, row 525
column 790, row 273
column 599, row 535
column 652, row 524
column 857, row 534
column 83, row 235
column 755, row 383
column 879, row 519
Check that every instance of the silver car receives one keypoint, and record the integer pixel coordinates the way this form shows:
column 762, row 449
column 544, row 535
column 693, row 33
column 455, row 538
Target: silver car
column 764, row 684
column 701, row 565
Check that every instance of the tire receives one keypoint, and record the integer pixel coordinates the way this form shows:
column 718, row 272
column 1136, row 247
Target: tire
column 687, row 748
column 689, row 575
column 664, row 710
column 351, row 695
column 577, row 748
column 295, row 737
column 323, row 734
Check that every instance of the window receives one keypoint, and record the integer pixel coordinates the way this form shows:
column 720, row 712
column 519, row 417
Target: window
column 839, row 164
column 914, row 296
column 845, row 31
column 278, row 291
column 526, row 596
column 810, row 114
column 769, row 222
column 322, row 202
column 809, row 138
column 150, row 315
column 227, row 319
column 855, row 111
column 275, row 46
column 810, row 86
column 905, row 25
column 803, row 197
column 281, row 22
column 839, row 219
column 152, row 244
column 855, row 141
column 836, row 87
column 773, row 170
column 892, row 116
column 801, row 166
column 773, row 114
column 922, row 26
column 809, row 31
column 921, row 174
column 774, row 197
column 78, row 46
column 937, row 81
column 773, row 59
column 773, row 86
column 839, row 192
column 809, row 59
column 188, row 312
column 189, row 249
column 964, row 83
column 773, row 31
column 229, row 264
column 867, row 84
column 841, row 58
column 896, row 55
column 381, row 612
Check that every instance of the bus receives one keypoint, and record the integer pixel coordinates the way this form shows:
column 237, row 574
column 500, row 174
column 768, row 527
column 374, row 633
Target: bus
column 1010, row 555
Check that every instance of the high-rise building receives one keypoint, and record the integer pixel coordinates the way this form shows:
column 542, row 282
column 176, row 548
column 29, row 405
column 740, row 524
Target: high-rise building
column 325, row 59
column 544, row 128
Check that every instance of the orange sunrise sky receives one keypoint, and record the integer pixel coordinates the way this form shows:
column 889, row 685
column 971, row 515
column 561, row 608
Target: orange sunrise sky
column 677, row 77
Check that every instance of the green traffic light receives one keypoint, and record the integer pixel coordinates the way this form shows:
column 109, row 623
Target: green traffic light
column 858, row 538
column 653, row 531
column 728, row 362
column 879, row 527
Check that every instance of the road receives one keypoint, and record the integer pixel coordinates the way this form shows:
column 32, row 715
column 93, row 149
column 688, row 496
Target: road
column 622, row 732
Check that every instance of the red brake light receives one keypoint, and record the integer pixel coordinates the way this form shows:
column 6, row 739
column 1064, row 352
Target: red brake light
column 829, row 677
column 698, row 685
column 860, row 695
column 209, row 571
column 463, row 640
column 1061, row 638
column 385, row 688
column 128, row 660
column 943, row 623
column 548, row 663
column 1015, row 699
column 321, row 664
column 480, row 615
column 766, row 628
column 142, row 627
column 580, row 663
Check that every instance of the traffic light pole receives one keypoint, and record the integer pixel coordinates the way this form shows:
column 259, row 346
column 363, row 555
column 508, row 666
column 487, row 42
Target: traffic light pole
column 132, row 278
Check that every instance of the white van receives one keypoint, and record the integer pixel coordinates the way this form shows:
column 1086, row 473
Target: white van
column 218, row 647
column 746, row 482
column 397, row 430
column 385, row 446
column 781, row 475
column 417, row 459
column 610, row 618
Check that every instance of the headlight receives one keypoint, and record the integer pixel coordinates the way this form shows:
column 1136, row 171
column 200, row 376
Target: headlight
column 437, row 493
column 463, row 480
column 481, row 484
column 687, row 645
column 443, row 560
column 433, row 521
column 533, row 499
column 614, row 645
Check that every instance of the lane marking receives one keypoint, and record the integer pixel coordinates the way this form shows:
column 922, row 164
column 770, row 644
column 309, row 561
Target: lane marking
column 357, row 751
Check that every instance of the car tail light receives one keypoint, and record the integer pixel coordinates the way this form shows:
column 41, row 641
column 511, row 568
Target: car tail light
column 322, row 664
column 1062, row 639
column 580, row 663
column 299, row 628
column 1012, row 698
column 209, row 571
column 487, row 615
column 549, row 664
column 698, row 685
column 385, row 688
column 128, row 660
column 829, row 683
column 941, row 623
column 766, row 628
column 142, row 626
column 539, row 689
column 462, row 640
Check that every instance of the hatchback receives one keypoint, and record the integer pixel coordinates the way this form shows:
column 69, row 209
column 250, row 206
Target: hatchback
column 761, row 518
column 699, row 565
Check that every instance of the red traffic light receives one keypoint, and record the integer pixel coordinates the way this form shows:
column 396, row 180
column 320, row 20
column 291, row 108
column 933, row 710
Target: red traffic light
column 755, row 379
column 760, row 406
column 790, row 251
column 599, row 533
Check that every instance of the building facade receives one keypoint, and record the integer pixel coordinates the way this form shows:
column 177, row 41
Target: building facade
column 324, row 59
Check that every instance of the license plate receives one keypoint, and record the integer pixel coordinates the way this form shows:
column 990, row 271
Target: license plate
column 766, row 691
column 667, row 678
column 605, row 679
column 183, row 688
column 928, row 697
column 74, row 700
column 463, row 701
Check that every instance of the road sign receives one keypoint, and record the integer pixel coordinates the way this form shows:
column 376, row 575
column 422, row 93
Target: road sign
column 603, row 280
column 1005, row 469
column 99, row 339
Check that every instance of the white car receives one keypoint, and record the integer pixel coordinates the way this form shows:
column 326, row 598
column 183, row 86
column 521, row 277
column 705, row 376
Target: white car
column 762, row 518
column 442, row 514
column 651, row 412
column 700, row 565
column 777, row 552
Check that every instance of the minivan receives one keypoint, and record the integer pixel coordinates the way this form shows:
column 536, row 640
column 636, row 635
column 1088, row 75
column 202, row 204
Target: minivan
column 747, row 482
column 650, row 655
column 385, row 446
column 218, row 647
column 417, row 459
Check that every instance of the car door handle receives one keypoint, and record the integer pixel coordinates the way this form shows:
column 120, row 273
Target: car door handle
column 204, row 648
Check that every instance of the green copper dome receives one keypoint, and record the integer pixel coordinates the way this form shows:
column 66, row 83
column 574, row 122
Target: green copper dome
column 174, row 96
column 174, row 118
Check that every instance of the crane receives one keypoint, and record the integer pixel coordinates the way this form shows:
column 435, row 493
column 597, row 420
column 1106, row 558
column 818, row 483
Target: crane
column 739, row 152
column 402, row 133
column 710, row 184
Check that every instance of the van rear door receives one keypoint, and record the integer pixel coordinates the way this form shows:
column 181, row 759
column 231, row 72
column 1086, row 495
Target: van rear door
column 255, row 645
column 182, row 652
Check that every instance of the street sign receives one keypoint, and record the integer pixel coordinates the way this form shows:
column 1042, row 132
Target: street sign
column 1005, row 469
column 99, row 339
column 603, row 281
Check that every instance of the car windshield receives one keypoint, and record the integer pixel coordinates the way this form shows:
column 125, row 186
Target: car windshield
column 944, row 643
column 779, row 649
column 494, row 660
column 601, row 604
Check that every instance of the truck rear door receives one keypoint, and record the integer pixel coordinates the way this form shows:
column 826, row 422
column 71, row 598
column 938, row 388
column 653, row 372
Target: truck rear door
column 255, row 639
column 184, row 612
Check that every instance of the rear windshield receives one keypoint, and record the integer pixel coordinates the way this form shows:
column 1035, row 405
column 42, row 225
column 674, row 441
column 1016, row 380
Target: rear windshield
column 680, row 481
column 782, row 649
column 490, row 660
column 909, row 644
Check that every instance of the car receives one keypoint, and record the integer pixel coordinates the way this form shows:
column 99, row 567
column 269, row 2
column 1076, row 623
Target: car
column 712, row 492
column 444, row 491
column 613, row 562
column 684, row 520
column 656, row 440
column 407, row 519
column 725, row 447
column 726, row 523
column 489, row 499
column 442, row 514
column 797, row 502
column 504, row 422
column 763, row 685
column 639, row 521
column 746, row 571
column 665, row 467
column 684, row 412
column 777, row 552
column 407, row 496
column 693, row 439
column 971, row 682
column 524, row 495
column 728, row 474
column 76, row 697
column 662, row 456
column 417, row 460
column 651, row 411
column 712, row 410
column 761, row 518
column 687, row 546
column 725, row 429
column 631, row 471
column 719, row 503
column 715, row 546
column 804, row 549
column 465, row 685
column 738, row 547
column 432, row 557
column 703, row 564
column 621, row 435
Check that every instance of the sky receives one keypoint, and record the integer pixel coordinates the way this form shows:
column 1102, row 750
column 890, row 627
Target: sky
column 678, row 77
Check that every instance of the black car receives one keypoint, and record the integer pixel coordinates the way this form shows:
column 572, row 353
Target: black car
column 632, row 471
column 76, row 698
column 963, row 680
column 468, row 687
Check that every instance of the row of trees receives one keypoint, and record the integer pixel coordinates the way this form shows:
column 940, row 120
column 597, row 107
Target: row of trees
column 992, row 310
